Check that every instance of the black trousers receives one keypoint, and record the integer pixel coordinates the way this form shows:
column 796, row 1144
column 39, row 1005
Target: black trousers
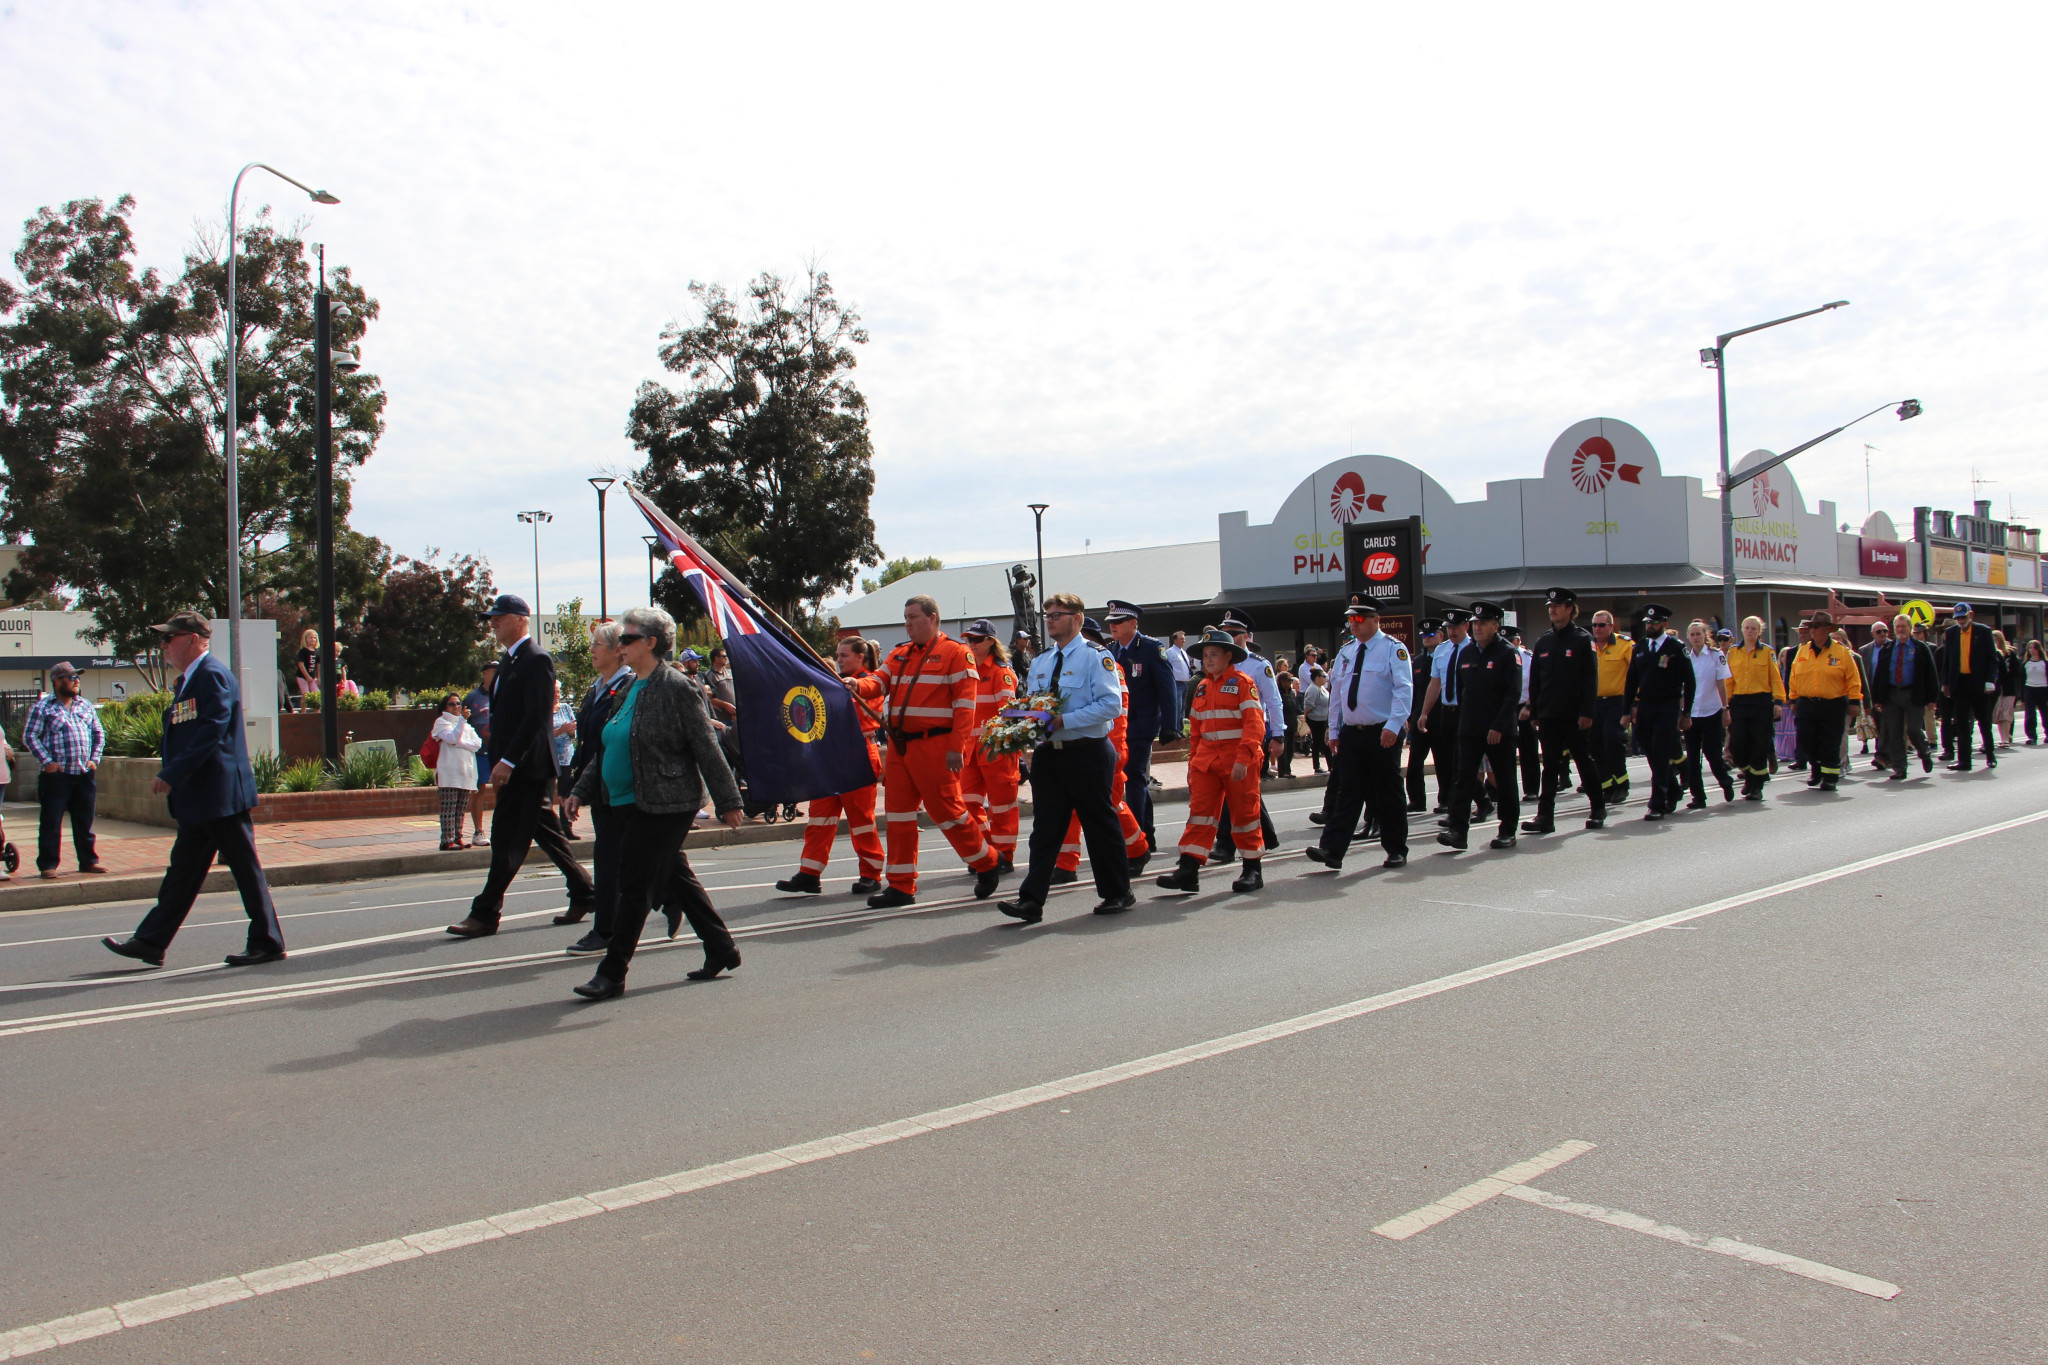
column 1564, row 743
column 1972, row 703
column 2035, row 699
column 1418, row 757
column 1070, row 780
column 233, row 839
column 1657, row 731
column 1443, row 747
column 1529, row 746
column 1706, row 737
column 1753, row 737
column 1820, row 721
column 60, row 794
column 1610, row 746
column 524, row 816
column 654, row 869
column 1366, row 775
column 607, row 824
column 1472, row 751
column 1902, row 722
column 1137, row 781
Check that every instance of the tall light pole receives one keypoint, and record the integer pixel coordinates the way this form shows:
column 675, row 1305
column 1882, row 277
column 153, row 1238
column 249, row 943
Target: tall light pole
column 651, row 543
column 1038, row 515
column 1907, row 409
column 600, row 482
column 1715, row 358
column 536, row 517
column 234, row 417
column 328, row 360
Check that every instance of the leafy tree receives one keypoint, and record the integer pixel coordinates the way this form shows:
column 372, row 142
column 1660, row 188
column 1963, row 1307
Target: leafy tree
column 426, row 629
column 764, row 455
column 112, row 430
column 571, row 649
column 900, row 568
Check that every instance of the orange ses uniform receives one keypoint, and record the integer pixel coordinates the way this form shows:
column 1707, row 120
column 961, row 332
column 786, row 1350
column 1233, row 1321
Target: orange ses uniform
column 1227, row 726
column 927, row 695
column 989, row 782
column 1134, row 837
column 822, row 815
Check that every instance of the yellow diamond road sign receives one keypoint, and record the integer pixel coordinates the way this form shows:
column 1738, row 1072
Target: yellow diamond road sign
column 1921, row 612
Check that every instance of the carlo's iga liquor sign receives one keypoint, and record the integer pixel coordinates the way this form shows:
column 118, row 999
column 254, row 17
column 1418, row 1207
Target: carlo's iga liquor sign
column 1384, row 560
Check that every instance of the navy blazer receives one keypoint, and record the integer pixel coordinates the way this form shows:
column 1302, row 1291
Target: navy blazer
column 523, row 714
column 205, row 753
column 1153, row 714
column 1984, row 659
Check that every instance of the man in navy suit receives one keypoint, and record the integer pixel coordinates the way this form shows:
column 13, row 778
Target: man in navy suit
column 207, row 776
column 1153, row 716
column 521, row 754
column 1969, row 682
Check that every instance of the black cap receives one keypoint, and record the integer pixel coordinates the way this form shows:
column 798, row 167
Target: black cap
column 1513, row 633
column 984, row 629
column 1656, row 611
column 506, row 605
column 1119, row 611
column 1430, row 625
column 1456, row 616
column 185, row 623
column 1560, row 597
column 1235, row 621
column 1091, row 629
column 1488, row 611
column 1360, row 605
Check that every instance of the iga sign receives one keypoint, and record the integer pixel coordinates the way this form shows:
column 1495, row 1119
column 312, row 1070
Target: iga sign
column 1881, row 558
column 1384, row 562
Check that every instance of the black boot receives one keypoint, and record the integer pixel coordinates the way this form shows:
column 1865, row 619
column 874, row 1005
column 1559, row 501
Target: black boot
column 805, row 882
column 1186, row 876
column 1251, row 879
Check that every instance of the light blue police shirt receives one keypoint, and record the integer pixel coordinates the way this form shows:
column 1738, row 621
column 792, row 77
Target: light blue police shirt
column 1386, row 685
column 1092, row 694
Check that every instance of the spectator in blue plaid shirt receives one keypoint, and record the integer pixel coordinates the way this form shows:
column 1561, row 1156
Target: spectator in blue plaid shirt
column 63, row 732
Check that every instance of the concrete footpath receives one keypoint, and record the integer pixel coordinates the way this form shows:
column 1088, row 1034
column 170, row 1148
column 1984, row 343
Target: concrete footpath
column 322, row 851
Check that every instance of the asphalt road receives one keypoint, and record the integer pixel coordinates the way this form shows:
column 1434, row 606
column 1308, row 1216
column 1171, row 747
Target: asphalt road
column 1848, row 1071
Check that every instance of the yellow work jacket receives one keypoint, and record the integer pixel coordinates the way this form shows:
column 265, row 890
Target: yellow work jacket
column 1614, row 662
column 1754, row 670
column 1831, row 673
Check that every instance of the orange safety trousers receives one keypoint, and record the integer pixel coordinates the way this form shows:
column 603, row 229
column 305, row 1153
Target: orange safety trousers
column 918, row 777
column 989, row 786
column 1134, row 837
column 1209, row 793
column 823, row 814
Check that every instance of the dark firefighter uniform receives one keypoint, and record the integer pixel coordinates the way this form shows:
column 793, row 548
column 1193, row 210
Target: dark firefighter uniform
column 1564, row 690
column 1660, row 688
column 1489, row 696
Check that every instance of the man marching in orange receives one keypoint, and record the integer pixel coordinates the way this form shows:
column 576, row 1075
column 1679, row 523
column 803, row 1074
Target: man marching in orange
column 1227, row 742
column 926, row 687
column 856, row 660
column 1136, row 848
column 989, row 782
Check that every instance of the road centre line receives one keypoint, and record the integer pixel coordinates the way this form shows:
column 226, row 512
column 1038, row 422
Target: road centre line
column 1517, row 910
column 1722, row 1246
column 1479, row 1191
column 97, row 1322
column 295, row 914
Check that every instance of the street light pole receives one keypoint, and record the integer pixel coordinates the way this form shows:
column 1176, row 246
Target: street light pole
column 651, row 542
column 536, row 517
column 1907, row 409
column 600, row 483
column 1038, row 515
column 1715, row 358
column 323, row 514
column 234, row 419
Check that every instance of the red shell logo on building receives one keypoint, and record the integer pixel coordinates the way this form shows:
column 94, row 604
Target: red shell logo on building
column 1382, row 566
column 1593, row 464
column 1765, row 496
column 1347, row 497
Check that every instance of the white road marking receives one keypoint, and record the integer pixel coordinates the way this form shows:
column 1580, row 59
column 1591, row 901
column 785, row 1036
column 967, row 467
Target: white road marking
column 1724, row 1246
column 1479, row 1191
column 243, row 920
column 1517, row 910
column 25, row 1341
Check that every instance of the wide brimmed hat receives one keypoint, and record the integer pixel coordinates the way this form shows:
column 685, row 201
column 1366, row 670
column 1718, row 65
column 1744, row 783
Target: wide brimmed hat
column 1217, row 635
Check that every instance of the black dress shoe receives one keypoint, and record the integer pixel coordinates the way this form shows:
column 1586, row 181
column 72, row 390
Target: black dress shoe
column 1959, row 767
column 1222, row 856
column 590, row 943
column 135, row 948
column 803, row 883
column 1502, row 841
column 254, row 958
column 866, row 886
column 1452, row 840
column 889, row 898
column 1135, row 867
column 1316, row 817
column 674, row 915
column 1538, row 827
column 1116, row 905
column 1316, row 853
column 985, row 883
column 1926, row 764
column 600, row 987
column 573, row 915
column 1597, row 820
column 1031, row 912
column 472, row 927
column 1251, row 879
column 1653, row 815
column 1896, row 777
column 1395, row 860
column 1697, row 803
column 1065, row 876
column 1004, row 866
column 1753, row 796
column 714, row 965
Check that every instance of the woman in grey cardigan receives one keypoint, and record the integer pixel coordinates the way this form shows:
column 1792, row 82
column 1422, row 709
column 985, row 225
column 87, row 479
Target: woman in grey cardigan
column 653, row 761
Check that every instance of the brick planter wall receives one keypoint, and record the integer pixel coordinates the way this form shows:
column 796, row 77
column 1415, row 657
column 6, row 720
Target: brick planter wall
column 124, row 794
column 298, row 732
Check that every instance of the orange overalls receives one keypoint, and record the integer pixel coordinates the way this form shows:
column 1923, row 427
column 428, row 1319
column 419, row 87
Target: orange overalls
column 822, row 815
column 988, row 783
column 1227, row 727
column 1134, row 837
column 928, row 695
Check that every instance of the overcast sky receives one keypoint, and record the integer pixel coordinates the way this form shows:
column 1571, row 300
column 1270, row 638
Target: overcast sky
column 1144, row 263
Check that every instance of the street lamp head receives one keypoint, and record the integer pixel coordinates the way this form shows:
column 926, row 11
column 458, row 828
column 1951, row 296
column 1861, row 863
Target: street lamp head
column 343, row 360
column 601, row 482
column 1838, row 303
column 1710, row 357
column 1909, row 409
column 323, row 197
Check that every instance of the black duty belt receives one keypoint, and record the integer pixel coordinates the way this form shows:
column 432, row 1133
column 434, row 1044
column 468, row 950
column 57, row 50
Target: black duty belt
column 901, row 738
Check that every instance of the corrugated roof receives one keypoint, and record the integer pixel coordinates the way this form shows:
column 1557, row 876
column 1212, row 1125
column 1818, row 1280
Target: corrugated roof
column 1154, row 576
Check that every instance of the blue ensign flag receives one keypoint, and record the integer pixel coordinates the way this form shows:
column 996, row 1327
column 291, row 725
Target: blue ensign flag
column 798, row 729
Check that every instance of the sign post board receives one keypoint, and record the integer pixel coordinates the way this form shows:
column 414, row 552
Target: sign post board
column 1383, row 561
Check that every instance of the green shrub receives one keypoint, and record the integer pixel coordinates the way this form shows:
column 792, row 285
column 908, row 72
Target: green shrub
column 312, row 700
column 375, row 699
column 306, row 775
column 135, row 733
column 417, row 773
column 348, row 701
column 270, row 770
column 368, row 767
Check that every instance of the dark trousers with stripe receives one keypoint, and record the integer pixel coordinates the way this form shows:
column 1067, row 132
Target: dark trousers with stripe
column 1705, row 738
column 1820, row 721
column 1657, row 731
column 1752, row 736
column 1563, row 744
column 1969, row 708
column 1610, row 745
column 1418, row 757
column 1443, row 747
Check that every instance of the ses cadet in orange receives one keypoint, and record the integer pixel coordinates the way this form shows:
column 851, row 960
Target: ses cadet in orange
column 1137, row 848
column 989, row 782
column 926, row 687
column 1227, row 741
column 854, row 660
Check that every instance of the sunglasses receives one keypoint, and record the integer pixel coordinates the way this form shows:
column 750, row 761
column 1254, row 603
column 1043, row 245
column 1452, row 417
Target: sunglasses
column 631, row 639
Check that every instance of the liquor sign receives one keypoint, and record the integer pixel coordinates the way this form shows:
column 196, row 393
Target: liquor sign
column 1882, row 558
column 1383, row 561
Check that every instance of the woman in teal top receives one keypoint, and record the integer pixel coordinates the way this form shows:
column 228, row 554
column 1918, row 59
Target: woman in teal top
column 657, row 756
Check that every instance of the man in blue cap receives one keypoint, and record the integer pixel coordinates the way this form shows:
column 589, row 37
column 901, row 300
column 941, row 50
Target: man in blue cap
column 522, row 759
column 1154, row 717
column 1969, row 683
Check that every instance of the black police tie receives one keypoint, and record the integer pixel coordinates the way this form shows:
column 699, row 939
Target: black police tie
column 1357, row 672
column 1059, row 663
column 1451, row 677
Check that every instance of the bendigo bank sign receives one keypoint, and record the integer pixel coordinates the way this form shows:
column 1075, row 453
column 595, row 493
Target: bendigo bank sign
column 1383, row 561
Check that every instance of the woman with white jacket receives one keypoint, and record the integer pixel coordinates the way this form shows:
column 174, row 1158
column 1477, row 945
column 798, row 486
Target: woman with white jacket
column 454, row 768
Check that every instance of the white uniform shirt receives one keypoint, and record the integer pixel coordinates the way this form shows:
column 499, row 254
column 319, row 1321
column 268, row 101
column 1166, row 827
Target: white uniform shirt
column 1709, row 666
